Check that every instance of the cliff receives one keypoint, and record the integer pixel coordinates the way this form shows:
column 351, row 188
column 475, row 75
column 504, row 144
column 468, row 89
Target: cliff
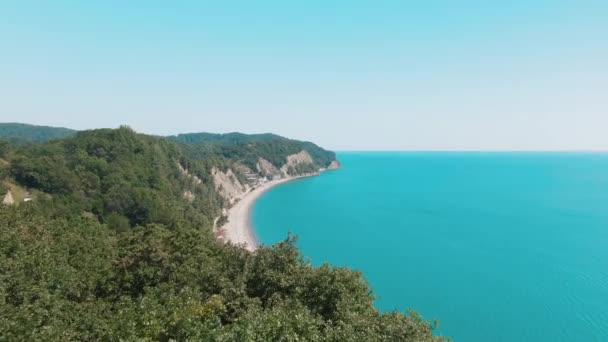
column 265, row 153
column 227, row 182
column 8, row 198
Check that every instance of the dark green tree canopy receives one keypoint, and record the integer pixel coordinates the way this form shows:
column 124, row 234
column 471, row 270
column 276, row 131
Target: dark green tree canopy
column 111, row 251
column 23, row 133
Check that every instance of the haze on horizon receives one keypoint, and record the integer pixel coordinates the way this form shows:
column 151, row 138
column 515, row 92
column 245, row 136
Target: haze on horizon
column 348, row 75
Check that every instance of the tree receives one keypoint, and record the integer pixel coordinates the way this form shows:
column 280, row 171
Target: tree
column 110, row 250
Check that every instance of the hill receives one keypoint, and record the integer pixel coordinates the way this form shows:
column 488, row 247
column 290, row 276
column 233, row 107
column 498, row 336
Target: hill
column 248, row 148
column 244, row 148
column 111, row 249
column 24, row 133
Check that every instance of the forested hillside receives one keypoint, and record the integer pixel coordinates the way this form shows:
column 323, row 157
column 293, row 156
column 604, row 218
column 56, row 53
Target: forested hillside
column 23, row 133
column 109, row 249
column 248, row 148
column 245, row 148
column 116, row 175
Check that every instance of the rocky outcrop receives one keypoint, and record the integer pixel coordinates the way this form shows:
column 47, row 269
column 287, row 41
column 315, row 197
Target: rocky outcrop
column 334, row 165
column 266, row 168
column 189, row 196
column 228, row 185
column 187, row 173
column 8, row 199
column 302, row 157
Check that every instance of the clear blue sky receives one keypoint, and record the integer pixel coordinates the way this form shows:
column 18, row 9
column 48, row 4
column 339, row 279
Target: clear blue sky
column 346, row 74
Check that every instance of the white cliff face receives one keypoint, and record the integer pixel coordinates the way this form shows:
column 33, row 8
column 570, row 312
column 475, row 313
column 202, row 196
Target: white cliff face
column 189, row 196
column 187, row 173
column 334, row 165
column 266, row 167
column 302, row 157
column 228, row 185
column 8, row 199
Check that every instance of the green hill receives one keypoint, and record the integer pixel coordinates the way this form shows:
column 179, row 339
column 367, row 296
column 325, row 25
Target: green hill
column 248, row 148
column 110, row 250
column 24, row 133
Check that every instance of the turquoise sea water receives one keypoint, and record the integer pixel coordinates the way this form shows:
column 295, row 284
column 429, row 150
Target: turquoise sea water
column 497, row 246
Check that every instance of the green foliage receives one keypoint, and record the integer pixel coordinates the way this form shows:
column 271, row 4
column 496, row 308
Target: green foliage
column 248, row 148
column 76, row 279
column 118, row 222
column 5, row 148
column 108, row 172
column 111, row 251
column 23, row 133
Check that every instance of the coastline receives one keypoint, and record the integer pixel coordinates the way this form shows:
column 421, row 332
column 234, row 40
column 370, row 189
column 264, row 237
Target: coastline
column 238, row 230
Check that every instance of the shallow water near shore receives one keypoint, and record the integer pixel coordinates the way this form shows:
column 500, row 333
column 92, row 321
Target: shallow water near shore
column 497, row 246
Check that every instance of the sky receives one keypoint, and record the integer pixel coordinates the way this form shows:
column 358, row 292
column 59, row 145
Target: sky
column 348, row 75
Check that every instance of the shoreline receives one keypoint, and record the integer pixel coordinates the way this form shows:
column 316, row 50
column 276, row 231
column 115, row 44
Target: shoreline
column 239, row 230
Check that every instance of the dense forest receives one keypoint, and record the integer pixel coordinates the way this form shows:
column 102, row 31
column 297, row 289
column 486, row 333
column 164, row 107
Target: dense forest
column 24, row 133
column 109, row 250
column 248, row 148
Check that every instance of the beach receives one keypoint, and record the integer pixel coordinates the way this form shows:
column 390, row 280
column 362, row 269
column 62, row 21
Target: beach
column 238, row 229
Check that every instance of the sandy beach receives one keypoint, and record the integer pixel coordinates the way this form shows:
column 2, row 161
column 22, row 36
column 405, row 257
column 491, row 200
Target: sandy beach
column 238, row 229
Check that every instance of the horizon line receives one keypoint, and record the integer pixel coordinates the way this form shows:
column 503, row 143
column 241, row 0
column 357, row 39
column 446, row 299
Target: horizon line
column 475, row 151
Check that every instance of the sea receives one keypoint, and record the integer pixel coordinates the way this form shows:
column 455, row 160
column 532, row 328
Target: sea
column 506, row 246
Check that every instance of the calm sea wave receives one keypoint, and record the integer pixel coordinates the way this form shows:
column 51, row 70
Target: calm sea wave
column 497, row 246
